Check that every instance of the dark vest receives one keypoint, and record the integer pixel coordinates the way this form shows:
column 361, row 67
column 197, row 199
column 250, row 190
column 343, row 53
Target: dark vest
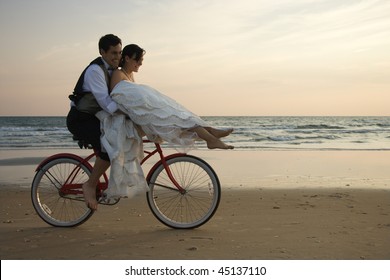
column 84, row 100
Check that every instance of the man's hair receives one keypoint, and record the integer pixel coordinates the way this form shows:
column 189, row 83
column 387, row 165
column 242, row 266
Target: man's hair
column 108, row 40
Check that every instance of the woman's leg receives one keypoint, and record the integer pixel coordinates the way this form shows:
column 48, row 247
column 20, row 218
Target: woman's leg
column 219, row 133
column 212, row 141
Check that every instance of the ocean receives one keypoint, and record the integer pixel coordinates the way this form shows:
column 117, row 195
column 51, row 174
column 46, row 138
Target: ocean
column 251, row 133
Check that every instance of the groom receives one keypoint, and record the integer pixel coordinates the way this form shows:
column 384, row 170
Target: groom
column 91, row 94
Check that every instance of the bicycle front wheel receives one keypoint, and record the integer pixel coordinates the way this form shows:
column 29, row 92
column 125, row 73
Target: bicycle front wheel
column 54, row 205
column 191, row 208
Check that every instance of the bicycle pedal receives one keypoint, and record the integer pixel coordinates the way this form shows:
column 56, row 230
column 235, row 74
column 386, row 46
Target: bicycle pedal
column 104, row 200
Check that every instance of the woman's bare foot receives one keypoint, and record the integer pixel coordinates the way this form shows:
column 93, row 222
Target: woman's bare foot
column 219, row 133
column 90, row 196
column 218, row 144
column 212, row 141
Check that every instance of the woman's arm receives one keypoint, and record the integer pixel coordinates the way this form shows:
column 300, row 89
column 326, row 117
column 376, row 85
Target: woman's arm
column 116, row 77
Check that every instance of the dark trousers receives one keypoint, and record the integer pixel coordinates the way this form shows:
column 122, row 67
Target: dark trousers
column 86, row 127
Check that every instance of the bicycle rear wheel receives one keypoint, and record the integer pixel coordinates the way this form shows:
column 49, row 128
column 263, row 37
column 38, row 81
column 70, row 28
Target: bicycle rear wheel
column 55, row 205
column 189, row 209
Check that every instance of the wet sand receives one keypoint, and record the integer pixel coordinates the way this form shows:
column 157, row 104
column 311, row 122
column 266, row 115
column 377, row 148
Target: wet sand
column 275, row 206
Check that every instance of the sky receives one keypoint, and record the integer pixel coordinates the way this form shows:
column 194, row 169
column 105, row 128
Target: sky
column 215, row 57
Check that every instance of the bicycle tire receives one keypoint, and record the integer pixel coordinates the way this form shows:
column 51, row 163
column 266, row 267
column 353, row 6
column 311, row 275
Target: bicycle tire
column 196, row 205
column 53, row 207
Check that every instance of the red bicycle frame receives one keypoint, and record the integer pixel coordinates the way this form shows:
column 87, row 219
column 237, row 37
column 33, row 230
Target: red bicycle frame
column 70, row 188
column 163, row 160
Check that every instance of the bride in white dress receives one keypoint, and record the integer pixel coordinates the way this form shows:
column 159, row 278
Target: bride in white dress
column 151, row 113
column 159, row 117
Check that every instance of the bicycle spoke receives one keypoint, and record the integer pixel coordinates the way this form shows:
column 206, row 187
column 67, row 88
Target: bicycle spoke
column 166, row 187
column 55, row 206
column 193, row 207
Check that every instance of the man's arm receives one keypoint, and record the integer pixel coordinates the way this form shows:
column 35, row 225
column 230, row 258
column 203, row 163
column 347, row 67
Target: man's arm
column 95, row 82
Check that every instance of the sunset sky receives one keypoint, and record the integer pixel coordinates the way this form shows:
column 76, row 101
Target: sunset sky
column 216, row 57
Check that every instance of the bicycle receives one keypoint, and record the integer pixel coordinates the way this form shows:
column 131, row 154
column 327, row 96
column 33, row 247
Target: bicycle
column 184, row 190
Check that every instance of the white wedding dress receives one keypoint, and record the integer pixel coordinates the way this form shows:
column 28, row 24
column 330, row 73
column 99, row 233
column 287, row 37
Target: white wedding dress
column 160, row 117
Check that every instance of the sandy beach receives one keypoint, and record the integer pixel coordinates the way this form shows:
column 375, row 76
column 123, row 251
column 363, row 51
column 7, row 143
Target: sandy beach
column 276, row 205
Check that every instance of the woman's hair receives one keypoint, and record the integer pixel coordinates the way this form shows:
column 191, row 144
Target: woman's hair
column 132, row 51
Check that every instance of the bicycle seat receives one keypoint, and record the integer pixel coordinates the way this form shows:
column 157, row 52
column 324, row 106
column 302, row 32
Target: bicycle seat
column 83, row 144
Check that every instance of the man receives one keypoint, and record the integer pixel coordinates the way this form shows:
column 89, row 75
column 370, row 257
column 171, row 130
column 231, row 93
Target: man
column 91, row 95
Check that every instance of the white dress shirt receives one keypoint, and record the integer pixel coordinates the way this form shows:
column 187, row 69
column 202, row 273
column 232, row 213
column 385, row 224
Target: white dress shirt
column 95, row 82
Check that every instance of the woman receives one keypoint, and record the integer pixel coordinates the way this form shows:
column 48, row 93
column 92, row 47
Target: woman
column 159, row 117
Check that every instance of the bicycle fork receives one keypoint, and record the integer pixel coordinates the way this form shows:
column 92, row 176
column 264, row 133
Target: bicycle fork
column 169, row 173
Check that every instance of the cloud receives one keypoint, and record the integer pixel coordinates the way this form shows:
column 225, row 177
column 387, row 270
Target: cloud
column 254, row 47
